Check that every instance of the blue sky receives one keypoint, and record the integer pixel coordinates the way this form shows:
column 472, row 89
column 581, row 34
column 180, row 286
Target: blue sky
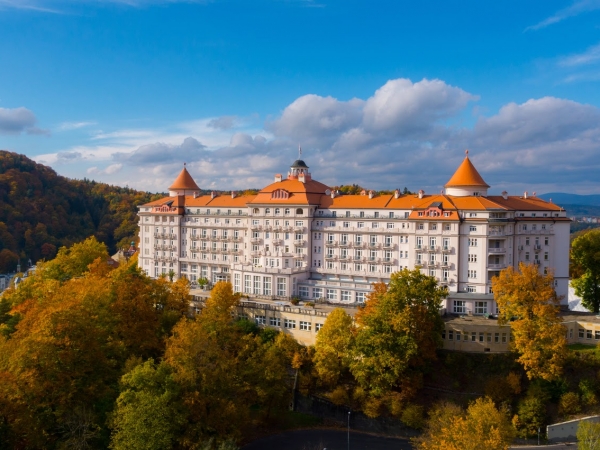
column 382, row 93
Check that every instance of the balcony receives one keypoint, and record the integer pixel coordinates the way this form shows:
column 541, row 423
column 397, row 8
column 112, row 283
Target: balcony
column 204, row 237
column 299, row 229
column 256, row 240
column 277, row 242
column 537, row 247
column 432, row 248
column 388, row 245
column 299, row 256
column 194, row 237
column 256, row 227
column 359, row 244
column 419, row 247
column 331, row 244
column 496, row 250
column 330, row 257
column 447, row 249
column 496, row 266
column 299, row 242
column 388, row 261
column 344, row 243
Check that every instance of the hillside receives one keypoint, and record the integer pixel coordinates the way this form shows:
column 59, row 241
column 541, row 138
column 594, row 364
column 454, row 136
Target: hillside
column 40, row 211
column 563, row 199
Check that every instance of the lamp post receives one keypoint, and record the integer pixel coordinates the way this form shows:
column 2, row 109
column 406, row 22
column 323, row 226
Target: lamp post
column 538, row 435
column 348, row 430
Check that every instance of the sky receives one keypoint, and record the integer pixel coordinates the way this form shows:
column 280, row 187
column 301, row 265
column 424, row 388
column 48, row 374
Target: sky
column 382, row 93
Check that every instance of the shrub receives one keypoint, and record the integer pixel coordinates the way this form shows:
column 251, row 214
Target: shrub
column 413, row 416
column 569, row 403
column 588, row 394
column 295, row 300
column 339, row 396
column 531, row 414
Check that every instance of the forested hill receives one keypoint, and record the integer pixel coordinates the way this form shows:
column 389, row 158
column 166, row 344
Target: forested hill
column 40, row 211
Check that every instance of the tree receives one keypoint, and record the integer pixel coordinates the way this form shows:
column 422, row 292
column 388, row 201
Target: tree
column 74, row 261
column 588, row 435
column 585, row 252
column 333, row 347
column 529, row 302
column 148, row 413
column 398, row 333
column 483, row 426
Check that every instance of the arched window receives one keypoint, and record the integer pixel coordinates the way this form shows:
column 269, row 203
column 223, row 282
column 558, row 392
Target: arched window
column 300, row 211
column 287, row 211
column 277, row 211
column 267, row 210
column 255, row 210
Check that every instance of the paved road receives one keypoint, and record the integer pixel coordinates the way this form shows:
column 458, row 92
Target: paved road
column 327, row 439
column 571, row 446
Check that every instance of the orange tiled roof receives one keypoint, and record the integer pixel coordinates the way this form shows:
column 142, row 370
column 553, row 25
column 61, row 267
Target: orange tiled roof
column 306, row 193
column 355, row 201
column 466, row 175
column 184, row 181
column 525, row 204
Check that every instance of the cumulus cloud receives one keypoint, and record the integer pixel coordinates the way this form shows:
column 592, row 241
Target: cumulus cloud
column 405, row 134
column 18, row 121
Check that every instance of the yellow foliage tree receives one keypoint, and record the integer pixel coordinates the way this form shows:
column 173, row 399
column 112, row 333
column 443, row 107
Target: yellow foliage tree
column 527, row 300
column 483, row 426
column 332, row 348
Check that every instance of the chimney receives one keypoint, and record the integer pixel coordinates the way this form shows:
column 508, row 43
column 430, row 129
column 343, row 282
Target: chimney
column 504, row 195
column 301, row 178
column 525, row 194
column 278, row 178
column 396, row 193
column 333, row 194
column 213, row 194
column 233, row 194
column 533, row 194
column 421, row 193
column 363, row 192
column 370, row 194
column 195, row 194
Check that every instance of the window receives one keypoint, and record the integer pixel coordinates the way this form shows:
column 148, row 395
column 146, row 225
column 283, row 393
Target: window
column 588, row 334
column 450, row 335
column 317, row 292
column 331, row 294
column 275, row 321
column 472, row 257
column 459, row 306
column 471, row 289
column 472, row 228
column 299, row 211
column 360, row 225
column 473, row 336
column 260, row 320
column 346, row 224
column 472, row 242
column 361, row 297
column 597, row 334
column 480, row 307
column 281, row 287
column 288, row 323
column 471, row 273
column 305, row 326
column 496, row 338
column 318, row 327
column 390, row 225
column 346, row 296
column 303, row 291
column 581, row 331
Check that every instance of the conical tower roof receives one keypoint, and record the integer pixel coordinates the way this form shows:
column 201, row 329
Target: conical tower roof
column 184, row 181
column 466, row 175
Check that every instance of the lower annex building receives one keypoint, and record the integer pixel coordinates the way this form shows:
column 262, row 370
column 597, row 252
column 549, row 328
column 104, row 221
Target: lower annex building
column 298, row 237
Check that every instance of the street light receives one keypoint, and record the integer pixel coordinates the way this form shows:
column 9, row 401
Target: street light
column 348, row 430
column 538, row 435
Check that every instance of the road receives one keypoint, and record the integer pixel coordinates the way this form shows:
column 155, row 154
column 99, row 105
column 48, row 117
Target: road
column 327, row 439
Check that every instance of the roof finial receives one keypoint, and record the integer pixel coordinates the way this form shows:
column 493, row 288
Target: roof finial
column 467, row 152
column 299, row 151
column 183, row 164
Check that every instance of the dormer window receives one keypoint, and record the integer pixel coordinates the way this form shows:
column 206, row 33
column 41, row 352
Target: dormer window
column 280, row 194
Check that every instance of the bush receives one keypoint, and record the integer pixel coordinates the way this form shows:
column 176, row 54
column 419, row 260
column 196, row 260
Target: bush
column 309, row 304
column 531, row 415
column 339, row 396
column 413, row 416
column 588, row 393
column 295, row 300
column 569, row 403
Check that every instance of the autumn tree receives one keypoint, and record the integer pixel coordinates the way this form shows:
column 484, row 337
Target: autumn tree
column 398, row 333
column 333, row 347
column 585, row 253
column 481, row 426
column 588, row 435
column 527, row 300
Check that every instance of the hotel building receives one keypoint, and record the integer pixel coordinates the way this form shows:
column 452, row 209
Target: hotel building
column 299, row 237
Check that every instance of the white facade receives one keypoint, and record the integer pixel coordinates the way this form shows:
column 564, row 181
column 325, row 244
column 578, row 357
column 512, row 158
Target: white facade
column 297, row 238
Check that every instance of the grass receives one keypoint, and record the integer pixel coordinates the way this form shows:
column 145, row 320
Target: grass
column 582, row 348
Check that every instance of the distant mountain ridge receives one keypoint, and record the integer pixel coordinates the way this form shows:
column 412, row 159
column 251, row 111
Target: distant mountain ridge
column 40, row 211
column 563, row 198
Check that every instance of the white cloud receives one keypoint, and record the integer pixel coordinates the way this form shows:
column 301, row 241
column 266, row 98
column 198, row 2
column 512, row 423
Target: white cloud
column 591, row 55
column 113, row 168
column 577, row 8
column 68, row 126
column 405, row 134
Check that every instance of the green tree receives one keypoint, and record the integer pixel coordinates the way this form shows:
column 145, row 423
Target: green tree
column 585, row 253
column 398, row 333
column 74, row 261
column 527, row 300
column 149, row 412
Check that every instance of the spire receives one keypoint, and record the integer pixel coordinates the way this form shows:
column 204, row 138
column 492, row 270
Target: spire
column 467, row 176
column 184, row 181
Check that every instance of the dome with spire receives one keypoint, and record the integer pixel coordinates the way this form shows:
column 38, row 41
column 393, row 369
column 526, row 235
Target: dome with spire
column 183, row 184
column 299, row 164
column 466, row 180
